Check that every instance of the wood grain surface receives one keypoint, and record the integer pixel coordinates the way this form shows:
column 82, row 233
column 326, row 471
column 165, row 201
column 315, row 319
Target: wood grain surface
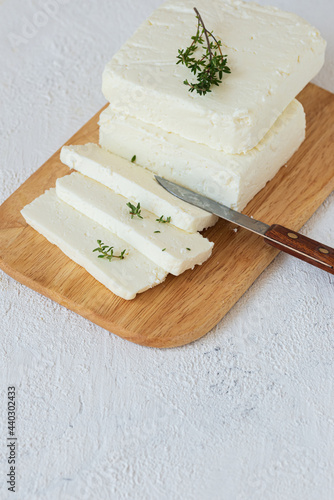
column 298, row 245
column 186, row 307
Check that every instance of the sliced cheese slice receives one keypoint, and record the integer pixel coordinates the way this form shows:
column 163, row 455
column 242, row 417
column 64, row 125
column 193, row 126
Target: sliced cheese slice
column 167, row 246
column 229, row 179
column 135, row 183
column 76, row 235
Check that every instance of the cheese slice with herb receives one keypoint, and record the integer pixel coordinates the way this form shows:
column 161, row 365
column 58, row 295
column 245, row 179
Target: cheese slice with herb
column 135, row 183
column 76, row 235
column 272, row 56
column 164, row 244
column 229, row 179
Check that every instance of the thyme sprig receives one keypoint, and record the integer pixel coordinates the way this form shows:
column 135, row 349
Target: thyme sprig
column 209, row 68
column 164, row 221
column 107, row 252
column 134, row 211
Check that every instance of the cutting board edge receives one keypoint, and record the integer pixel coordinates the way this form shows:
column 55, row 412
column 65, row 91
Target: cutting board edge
column 166, row 342
column 174, row 340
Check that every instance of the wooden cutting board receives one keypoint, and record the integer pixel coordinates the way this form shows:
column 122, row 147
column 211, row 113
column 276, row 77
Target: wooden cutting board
column 186, row 307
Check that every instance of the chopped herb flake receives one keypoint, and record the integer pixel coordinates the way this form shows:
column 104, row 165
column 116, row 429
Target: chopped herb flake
column 107, row 252
column 164, row 221
column 134, row 211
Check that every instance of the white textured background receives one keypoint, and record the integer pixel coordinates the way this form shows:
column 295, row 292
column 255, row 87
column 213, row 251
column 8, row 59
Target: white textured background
column 247, row 413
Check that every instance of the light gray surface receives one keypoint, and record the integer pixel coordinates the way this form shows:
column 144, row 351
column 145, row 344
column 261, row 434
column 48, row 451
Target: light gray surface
column 245, row 413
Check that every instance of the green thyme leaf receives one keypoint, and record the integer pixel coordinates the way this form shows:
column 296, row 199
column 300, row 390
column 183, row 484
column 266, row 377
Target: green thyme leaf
column 164, row 221
column 210, row 65
column 134, row 211
column 108, row 253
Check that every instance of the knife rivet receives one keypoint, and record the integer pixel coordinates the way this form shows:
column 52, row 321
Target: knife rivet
column 293, row 236
column 323, row 250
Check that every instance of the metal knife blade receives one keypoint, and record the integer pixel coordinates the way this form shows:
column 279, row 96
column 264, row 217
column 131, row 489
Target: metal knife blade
column 289, row 241
column 213, row 207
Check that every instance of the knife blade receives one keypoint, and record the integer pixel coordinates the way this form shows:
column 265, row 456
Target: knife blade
column 289, row 241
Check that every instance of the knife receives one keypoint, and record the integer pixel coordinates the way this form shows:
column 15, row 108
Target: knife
column 277, row 236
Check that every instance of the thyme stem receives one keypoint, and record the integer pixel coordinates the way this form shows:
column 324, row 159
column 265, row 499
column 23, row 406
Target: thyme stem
column 211, row 66
column 200, row 21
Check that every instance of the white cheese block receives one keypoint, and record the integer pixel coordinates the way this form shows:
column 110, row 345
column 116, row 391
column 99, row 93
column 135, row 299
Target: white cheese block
column 272, row 55
column 76, row 235
column 135, row 183
column 167, row 249
column 229, row 179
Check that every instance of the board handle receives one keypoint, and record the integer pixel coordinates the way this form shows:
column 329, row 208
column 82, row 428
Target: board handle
column 300, row 246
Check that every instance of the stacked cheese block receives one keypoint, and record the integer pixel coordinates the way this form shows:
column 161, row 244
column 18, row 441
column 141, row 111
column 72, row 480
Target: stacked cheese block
column 225, row 145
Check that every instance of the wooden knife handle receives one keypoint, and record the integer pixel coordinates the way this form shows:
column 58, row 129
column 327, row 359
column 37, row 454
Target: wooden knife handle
column 300, row 246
